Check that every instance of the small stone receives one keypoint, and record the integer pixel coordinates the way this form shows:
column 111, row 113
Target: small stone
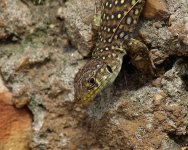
column 2, row 35
column 2, row 23
column 23, row 62
column 185, row 19
column 172, row 19
column 162, row 93
column 145, row 37
column 157, row 99
column 155, row 9
column 60, row 14
column 21, row 102
column 20, row 98
column 160, row 116
column 186, row 27
column 157, row 82
column 180, row 30
column 78, row 109
column 15, row 39
column 52, row 26
column 184, row 148
column 158, row 56
column 157, row 25
column 66, row 42
column 3, row 88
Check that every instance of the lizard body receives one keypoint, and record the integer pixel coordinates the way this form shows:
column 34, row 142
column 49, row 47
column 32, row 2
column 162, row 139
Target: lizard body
column 118, row 20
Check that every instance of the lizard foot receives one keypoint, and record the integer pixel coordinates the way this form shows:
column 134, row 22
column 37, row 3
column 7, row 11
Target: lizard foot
column 140, row 56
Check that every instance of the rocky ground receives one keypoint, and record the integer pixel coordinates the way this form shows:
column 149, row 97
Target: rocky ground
column 43, row 43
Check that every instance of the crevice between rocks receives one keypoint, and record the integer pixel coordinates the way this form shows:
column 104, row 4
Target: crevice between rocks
column 179, row 139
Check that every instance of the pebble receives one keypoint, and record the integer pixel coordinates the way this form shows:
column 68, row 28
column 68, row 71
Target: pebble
column 60, row 14
column 155, row 9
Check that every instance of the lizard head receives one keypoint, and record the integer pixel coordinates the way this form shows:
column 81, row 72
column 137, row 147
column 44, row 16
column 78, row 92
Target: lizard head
column 93, row 78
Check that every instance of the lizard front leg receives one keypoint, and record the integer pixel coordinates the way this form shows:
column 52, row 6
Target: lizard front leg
column 140, row 56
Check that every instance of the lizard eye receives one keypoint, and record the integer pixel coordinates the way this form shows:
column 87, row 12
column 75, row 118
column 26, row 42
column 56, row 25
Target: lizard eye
column 91, row 81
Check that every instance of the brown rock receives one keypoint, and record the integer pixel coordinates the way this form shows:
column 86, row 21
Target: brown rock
column 15, row 125
column 2, row 87
column 2, row 35
column 156, row 9
column 158, row 56
column 78, row 22
column 179, row 29
column 2, row 23
column 22, row 63
column 21, row 102
column 66, row 42
column 157, row 99
column 15, row 18
column 160, row 116
column 157, row 82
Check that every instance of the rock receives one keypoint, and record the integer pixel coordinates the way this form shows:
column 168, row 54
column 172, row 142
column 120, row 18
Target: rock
column 20, row 98
column 28, row 60
column 22, row 63
column 160, row 116
column 169, row 36
column 173, row 85
column 15, row 19
column 117, row 126
column 156, row 9
column 60, row 14
column 172, row 82
column 79, row 24
column 66, row 42
column 3, row 88
column 158, row 99
column 157, row 82
column 21, row 102
column 15, row 125
column 139, row 115
column 180, row 29
column 158, row 56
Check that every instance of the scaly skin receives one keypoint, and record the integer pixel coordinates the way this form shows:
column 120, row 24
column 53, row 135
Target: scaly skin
column 118, row 21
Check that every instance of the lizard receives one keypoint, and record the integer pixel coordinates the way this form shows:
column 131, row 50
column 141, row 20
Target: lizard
column 117, row 22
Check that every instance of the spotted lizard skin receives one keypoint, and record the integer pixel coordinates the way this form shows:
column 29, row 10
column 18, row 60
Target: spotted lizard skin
column 118, row 20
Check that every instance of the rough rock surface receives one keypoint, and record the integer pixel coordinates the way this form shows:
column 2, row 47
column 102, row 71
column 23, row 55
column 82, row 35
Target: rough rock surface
column 79, row 16
column 15, row 19
column 15, row 125
column 137, row 112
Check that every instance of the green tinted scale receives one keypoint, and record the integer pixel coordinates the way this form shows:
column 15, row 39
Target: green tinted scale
column 118, row 20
